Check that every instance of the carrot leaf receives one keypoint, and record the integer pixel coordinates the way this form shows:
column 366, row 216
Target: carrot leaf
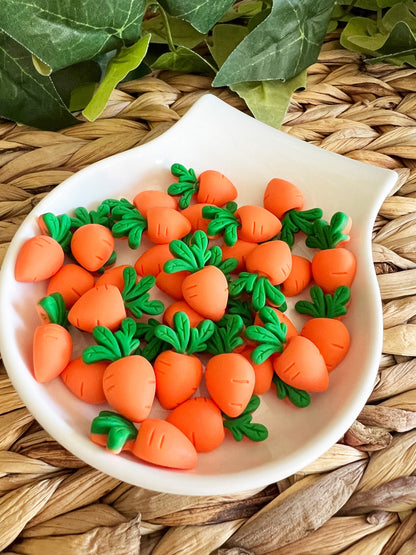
column 325, row 305
column 270, row 337
column 297, row 397
column 154, row 346
column 136, row 296
column 59, row 228
column 226, row 336
column 298, row 220
column 243, row 308
column 186, row 186
column 192, row 257
column 223, row 221
column 324, row 235
column 260, row 289
column 199, row 337
column 183, row 338
column 272, row 323
column 84, row 217
column 112, row 346
column 117, row 428
column 54, row 306
column 226, row 266
column 131, row 225
column 242, row 425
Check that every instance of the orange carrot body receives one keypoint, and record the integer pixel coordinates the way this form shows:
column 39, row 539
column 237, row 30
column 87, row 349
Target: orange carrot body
column 92, row 245
column 177, row 377
column 52, row 350
column 38, row 259
column 166, row 224
column 240, row 250
column 257, row 224
column 272, row 259
column 145, row 200
column 151, row 262
column 230, row 380
column 263, row 372
column 113, row 276
column 85, row 381
column 299, row 277
column 182, row 306
column 201, row 421
column 301, row 365
column 281, row 196
column 330, row 336
column 171, row 284
column 99, row 306
column 129, row 386
column 161, row 443
column 206, row 291
column 332, row 268
column 71, row 281
column 215, row 188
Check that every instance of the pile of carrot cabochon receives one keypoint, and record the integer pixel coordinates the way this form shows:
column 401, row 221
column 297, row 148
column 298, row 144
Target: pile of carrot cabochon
column 227, row 270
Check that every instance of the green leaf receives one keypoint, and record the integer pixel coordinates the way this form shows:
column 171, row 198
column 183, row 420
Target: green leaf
column 243, row 308
column 202, row 15
column 77, row 83
column 124, row 61
column 54, row 306
column 268, row 101
column 182, row 32
column 25, row 95
column 116, row 427
column 224, row 39
column 185, row 60
column 281, row 46
column 81, row 29
column 297, row 397
column 242, row 426
column 168, row 335
column 226, row 336
column 40, row 67
column 246, row 8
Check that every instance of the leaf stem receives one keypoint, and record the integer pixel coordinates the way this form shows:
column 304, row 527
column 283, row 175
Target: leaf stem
column 169, row 38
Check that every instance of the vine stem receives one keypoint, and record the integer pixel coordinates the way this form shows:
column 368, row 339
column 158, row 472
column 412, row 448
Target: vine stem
column 172, row 47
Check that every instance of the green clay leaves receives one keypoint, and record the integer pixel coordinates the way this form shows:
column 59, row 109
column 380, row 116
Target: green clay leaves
column 112, row 346
column 223, row 221
column 260, row 289
column 130, row 223
column 227, row 335
column 243, row 309
column 298, row 220
column 59, row 228
column 327, row 236
column 242, row 425
column 226, row 266
column 187, row 185
column 183, row 338
column 136, row 296
column 325, row 305
column 118, row 429
column 55, row 309
column 154, row 346
column 192, row 258
column 270, row 337
column 297, row 397
column 100, row 216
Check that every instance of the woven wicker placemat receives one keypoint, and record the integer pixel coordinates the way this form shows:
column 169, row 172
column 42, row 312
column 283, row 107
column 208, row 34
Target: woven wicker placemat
column 357, row 498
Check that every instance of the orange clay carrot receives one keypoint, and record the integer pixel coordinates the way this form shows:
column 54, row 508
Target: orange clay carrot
column 153, row 199
column 166, row 224
column 181, row 306
column 72, row 281
column 249, row 223
column 157, row 441
column 206, row 289
column 299, row 277
column 151, row 262
column 113, row 276
column 330, row 335
column 281, row 196
column 85, row 381
column 240, row 250
column 52, row 343
column 178, row 372
column 201, row 421
column 332, row 266
column 171, row 284
column 272, row 260
column 38, row 259
column 263, row 372
column 212, row 187
column 92, row 245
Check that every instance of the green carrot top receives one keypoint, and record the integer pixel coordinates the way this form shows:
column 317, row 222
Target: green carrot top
column 227, row 335
column 298, row 220
column 126, row 220
column 324, row 235
column 54, row 307
column 191, row 255
column 102, row 216
column 223, row 220
column 270, row 338
column 260, row 289
column 135, row 294
column 186, row 186
column 182, row 337
column 243, row 426
column 154, row 346
column 325, row 305
column 113, row 345
column 59, row 228
column 118, row 429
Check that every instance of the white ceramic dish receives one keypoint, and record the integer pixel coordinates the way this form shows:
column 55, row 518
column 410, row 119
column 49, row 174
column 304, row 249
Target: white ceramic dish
column 212, row 135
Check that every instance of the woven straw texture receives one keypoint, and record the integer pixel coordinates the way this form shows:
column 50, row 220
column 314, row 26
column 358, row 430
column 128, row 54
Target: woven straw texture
column 358, row 498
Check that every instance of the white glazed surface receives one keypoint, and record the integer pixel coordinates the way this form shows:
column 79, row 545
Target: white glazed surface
column 212, row 135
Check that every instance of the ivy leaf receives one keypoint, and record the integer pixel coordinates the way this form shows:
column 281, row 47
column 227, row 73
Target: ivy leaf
column 224, row 40
column 124, row 61
column 20, row 84
column 281, row 46
column 182, row 32
column 201, row 15
column 80, row 32
column 183, row 59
